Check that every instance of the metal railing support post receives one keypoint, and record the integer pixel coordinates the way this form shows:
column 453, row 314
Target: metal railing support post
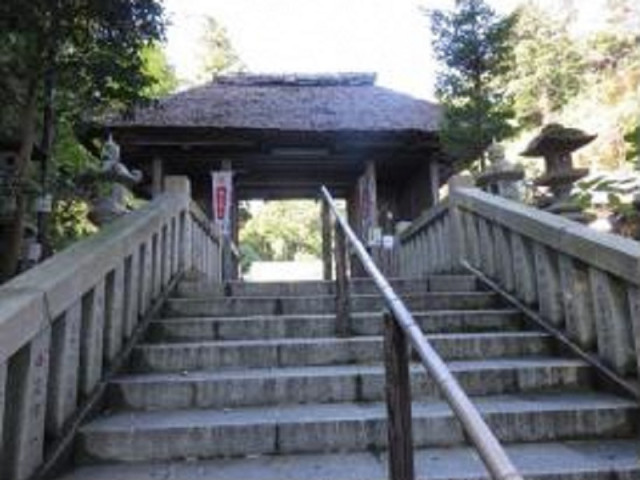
column 342, row 284
column 480, row 435
column 326, row 241
column 398, row 396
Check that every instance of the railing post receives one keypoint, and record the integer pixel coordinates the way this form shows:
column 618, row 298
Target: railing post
column 180, row 185
column 398, row 396
column 92, row 338
column 64, row 362
column 611, row 311
column 326, row 241
column 577, row 302
column 25, row 410
column 342, row 284
column 132, row 286
column 456, row 232
column 113, row 320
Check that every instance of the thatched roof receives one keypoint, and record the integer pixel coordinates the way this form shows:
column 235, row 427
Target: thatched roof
column 328, row 102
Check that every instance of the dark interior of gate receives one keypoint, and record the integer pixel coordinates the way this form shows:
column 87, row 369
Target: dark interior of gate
column 283, row 136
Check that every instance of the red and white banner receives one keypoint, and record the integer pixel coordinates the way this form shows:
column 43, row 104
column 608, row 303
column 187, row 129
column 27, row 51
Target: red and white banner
column 222, row 189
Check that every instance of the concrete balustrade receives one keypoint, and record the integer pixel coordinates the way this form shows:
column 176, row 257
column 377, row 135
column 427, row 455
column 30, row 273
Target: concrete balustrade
column 585, row 283
column 207, row 245
column 64, row 323
column 427, row 239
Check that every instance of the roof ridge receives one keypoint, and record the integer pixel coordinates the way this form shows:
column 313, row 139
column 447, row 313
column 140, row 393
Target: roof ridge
column 353, row 79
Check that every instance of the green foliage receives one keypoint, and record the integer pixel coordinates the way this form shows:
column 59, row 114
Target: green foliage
column 90, row 53
column 284, row 231
column 93, row 46
column 69, row 222
column 607, row 50
column 156, row 67
column 219, row 55
column 548, row 67
column 584, row 79
column 71, row 157
column 473, row 45
column 633, row 150
column 248, row 255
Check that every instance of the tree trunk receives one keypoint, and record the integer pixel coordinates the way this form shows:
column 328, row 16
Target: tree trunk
column 10, row 256
column 46, row 145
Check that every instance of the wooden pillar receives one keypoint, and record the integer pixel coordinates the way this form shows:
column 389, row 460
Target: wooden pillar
column 398, row 396
column 235, row 225
column 229, row 264
column 372, row 181
column 342, row 284
column 326, row 241
column 434, row 180
column 366, row 211
column 157, row 174
column 353, row 215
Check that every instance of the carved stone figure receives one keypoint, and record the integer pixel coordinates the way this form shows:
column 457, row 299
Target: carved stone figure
column 112, row 204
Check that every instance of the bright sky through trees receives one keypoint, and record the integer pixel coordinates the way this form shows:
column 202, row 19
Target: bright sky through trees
column 390, row 37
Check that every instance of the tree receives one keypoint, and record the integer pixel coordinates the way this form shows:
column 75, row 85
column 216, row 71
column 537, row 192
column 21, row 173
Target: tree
column 473, row 45
column 156, row 66
column 632, row 138
column 219, row 55
column 87, row 53
column 548, row 69
column 624, row 15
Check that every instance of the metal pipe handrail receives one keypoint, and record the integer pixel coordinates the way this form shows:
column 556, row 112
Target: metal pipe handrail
column 491, row 451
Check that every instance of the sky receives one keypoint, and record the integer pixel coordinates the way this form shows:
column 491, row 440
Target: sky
column 389, row 37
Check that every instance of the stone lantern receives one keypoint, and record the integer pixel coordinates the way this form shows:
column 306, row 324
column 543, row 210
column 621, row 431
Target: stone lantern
column 501, row 177
column 555, row 143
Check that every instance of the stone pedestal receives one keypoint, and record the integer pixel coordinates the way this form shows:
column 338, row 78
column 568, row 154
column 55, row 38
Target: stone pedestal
column 555, row 144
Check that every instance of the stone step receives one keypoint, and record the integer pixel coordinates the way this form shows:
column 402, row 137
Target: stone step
column 573, row 460
column 436, row 283
column 244, row 306
column 292, row 326
column 177, row 357
column 322, row 428
column 342, row 383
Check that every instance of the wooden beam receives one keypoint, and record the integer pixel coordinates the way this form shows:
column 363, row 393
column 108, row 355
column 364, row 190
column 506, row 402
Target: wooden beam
column 188, row 144
column 126, row 134
column 285, row 194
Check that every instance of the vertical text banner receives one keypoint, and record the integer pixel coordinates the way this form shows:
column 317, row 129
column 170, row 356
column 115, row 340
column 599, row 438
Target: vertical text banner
column 222, row 190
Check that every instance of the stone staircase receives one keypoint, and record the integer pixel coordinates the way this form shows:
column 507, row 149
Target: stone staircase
column 251, row 382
